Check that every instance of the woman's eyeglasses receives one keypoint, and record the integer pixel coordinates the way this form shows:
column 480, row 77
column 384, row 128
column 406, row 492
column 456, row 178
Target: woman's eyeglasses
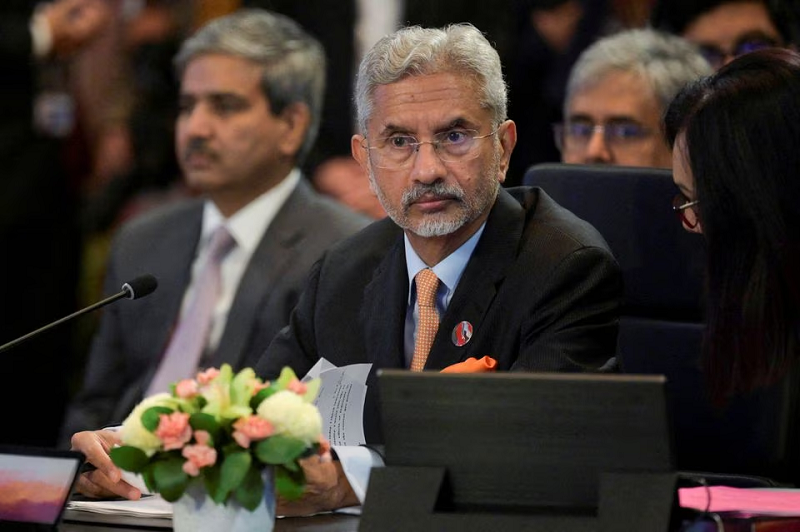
column 686, row 210
column 717, row 57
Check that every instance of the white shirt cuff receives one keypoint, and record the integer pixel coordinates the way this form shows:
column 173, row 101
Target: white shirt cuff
column 357, row 463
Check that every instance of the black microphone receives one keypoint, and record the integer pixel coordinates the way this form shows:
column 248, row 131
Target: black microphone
column 142, row 286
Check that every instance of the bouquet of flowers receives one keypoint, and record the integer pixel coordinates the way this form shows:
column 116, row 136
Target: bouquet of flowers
column 224, row 429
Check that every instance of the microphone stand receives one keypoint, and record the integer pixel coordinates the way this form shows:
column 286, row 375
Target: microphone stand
column 125, row 293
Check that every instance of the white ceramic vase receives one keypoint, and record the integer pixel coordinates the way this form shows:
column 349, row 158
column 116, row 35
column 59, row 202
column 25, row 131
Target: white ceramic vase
column 197, row 512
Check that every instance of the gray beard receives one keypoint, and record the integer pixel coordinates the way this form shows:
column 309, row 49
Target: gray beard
column 440, row 224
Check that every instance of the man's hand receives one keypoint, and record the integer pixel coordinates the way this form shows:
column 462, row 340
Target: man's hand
column 326, row 489
column 106, row 480
column 74, row 23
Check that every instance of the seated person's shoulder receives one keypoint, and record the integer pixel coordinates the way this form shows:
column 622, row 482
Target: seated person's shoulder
column 371, row 242
column 160, row 217
column 546, row 219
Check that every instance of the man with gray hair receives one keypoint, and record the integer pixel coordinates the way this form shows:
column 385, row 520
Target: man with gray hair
column 251, row 92
column 616, row 94
column 462, row 270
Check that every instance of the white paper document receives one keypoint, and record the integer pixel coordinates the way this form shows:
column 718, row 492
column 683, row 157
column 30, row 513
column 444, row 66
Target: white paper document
column 147, row 506
column 340, row 401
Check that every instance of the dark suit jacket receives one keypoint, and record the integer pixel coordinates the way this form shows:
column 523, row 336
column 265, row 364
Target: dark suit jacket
column 542, row 291
column 133, row 335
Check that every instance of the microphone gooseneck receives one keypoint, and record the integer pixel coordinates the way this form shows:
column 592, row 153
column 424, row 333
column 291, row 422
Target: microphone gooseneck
column 137, row 288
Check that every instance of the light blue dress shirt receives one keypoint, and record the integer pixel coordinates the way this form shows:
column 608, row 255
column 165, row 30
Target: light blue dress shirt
column 448, row 271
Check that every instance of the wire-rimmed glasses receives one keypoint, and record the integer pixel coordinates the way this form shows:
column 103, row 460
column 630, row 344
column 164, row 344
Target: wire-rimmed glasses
column 451, row 146
column 576, row 135
column 686, row 210
column 717, row 57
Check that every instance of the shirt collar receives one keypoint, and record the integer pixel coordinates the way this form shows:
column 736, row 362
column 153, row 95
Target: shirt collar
column 248, row 224
column 450, row 269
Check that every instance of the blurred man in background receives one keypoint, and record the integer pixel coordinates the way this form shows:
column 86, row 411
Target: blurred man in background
column 724, row 29
column 616, row 94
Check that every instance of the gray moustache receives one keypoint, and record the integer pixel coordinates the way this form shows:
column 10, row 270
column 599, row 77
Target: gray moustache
column 436, row 190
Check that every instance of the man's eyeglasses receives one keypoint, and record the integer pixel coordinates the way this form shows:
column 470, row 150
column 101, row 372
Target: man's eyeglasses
column 569, row 135
column 451, row 146
column 686, row 210
column 716, row 56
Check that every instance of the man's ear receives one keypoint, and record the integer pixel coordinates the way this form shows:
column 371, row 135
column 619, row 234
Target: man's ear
column 507, row 134
column 360, row 154
column 297, row 117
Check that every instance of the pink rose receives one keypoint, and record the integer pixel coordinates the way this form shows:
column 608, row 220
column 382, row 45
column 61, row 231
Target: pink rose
column 297, row 387
column 174, row 430
column 186, row 389
column 251, row 428
column 197, row 456
column 204, row 377
column 202, row 437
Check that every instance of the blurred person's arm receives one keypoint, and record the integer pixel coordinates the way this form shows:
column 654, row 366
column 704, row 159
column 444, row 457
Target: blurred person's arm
column 62, row 27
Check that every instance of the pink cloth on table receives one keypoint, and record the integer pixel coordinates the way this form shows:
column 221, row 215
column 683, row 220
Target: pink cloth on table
column 753, row 501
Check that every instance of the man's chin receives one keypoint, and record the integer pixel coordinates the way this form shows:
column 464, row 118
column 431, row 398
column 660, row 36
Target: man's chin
column 437, row 226
column 204, row 180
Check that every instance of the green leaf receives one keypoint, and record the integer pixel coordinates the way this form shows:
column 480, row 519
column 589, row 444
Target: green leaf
column 289, row 485
column 149, row 480
column 211, row 479
column 234, row 469
column 152, row 416
column 261, row 395
column 206, row 422
column 287, row 375
column 251, row 490
column 312, row 389
column 242, row 386
column 129, row 458
column 170, row 478
column 279, row 449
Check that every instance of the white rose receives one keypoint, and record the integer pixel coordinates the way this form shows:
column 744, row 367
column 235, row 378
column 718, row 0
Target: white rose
column 292, row 416
column 133, row 432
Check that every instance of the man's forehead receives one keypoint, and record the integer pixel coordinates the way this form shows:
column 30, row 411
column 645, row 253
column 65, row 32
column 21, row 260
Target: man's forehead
column 221, row 69
column 427, row 103
column 728, row 22
column 615, row 96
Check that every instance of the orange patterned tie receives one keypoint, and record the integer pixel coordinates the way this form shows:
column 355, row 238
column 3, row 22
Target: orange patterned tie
column 428, row 323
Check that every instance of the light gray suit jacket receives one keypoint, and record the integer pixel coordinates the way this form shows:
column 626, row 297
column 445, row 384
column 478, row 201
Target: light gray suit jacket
column 133, row 335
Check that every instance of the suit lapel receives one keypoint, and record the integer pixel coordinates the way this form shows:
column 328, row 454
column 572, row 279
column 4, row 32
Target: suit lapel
column 177, row 250
column 275, row 252
column 485, row 271
column 383, row 311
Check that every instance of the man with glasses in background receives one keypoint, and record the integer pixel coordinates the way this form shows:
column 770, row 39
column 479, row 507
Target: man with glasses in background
column 725, row 29
column 616, row 93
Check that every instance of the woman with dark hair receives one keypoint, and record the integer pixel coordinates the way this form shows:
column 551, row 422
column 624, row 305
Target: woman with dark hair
column 736, row 161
